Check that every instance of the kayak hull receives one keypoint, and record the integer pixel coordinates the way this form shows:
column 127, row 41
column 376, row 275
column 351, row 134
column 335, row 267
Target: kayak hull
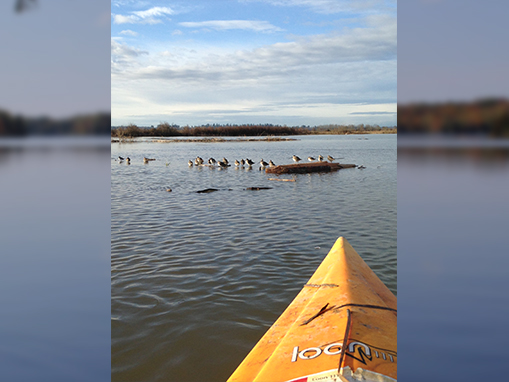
column 344, row 314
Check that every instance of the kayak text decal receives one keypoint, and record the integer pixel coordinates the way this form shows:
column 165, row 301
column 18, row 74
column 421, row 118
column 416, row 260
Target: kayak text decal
column 357, row 350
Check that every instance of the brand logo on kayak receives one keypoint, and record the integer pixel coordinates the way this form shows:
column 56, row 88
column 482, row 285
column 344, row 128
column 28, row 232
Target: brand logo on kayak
column 363, row 352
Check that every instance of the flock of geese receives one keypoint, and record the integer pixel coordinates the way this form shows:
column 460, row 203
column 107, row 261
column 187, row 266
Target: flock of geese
column 247, row 162
column 242, row 163
column 128, row 160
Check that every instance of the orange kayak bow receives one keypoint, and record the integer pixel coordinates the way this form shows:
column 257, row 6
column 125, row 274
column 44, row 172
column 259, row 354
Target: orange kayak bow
column 342, row 326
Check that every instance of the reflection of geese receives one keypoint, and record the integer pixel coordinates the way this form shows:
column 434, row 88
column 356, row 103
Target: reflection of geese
column 271, row 164
column 190, row 163
column 330, row 158
column 296, row 158
column 320, row 158
column 311, row 159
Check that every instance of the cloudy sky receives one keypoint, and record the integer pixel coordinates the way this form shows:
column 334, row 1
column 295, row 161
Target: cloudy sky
column 288, row 62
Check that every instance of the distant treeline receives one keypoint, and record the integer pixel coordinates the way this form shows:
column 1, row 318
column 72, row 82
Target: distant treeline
column 486, row 117
column 354, row 129
column 228, row 130
column 91, row 124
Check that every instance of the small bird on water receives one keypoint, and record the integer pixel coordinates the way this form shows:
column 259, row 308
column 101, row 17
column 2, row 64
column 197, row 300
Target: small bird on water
column 190, row 163
column 237, row 163
column 120, row 159
column 242, row 162
column 311, row 159
column 146, row 160
column 212, row 161
column 128, row 160
column 330, row 158
column 320, row 158
column 263, row 163
column 225, row 160
column 296, row 158
column 249, row 162
column 271, row 164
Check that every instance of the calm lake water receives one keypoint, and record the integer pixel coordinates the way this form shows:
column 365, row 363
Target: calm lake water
column 197, row 279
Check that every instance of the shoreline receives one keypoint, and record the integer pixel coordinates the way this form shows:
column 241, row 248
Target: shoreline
column 204, row 140
column 231, row 139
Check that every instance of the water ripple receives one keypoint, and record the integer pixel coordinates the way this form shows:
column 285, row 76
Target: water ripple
column 198, row 278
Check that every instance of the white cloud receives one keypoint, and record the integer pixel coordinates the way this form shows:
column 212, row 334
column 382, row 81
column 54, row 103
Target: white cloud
column 254, row 25
column 304, row 80
column 331, row 6
column 123, row 56
column 129, row 32
column 279, row 60
column 149, row 16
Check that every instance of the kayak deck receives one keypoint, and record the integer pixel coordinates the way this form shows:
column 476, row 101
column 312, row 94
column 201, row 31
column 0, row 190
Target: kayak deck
column 344, row 299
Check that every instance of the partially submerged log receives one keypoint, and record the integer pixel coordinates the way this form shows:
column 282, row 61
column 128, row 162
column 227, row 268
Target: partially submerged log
column 304, row 168
column 207, row 190
column 258, row 188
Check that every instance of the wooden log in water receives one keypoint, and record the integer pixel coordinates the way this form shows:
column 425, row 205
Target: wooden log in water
column 304, row 168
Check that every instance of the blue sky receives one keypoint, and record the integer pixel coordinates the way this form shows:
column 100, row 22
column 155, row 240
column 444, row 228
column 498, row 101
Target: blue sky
column 288, row 62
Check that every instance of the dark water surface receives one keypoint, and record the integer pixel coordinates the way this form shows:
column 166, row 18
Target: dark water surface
column 198, row 278
column 453, row 259
column 54, row 259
